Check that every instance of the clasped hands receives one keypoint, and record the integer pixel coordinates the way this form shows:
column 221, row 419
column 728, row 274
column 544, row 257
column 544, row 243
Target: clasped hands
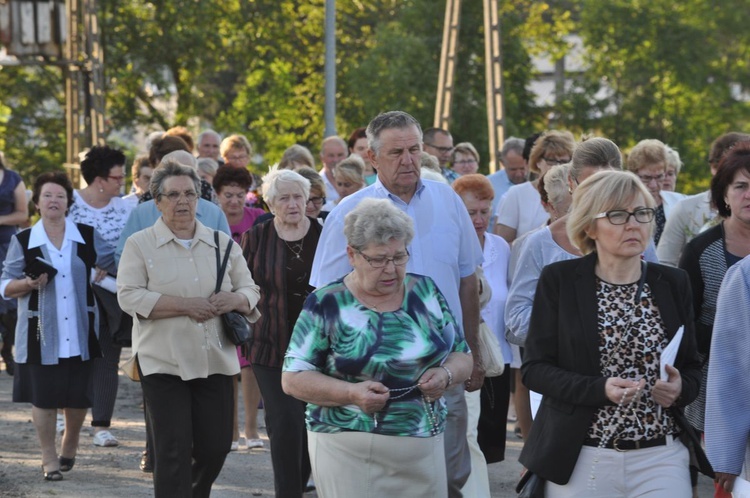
column 665, row 393
column 202, row 309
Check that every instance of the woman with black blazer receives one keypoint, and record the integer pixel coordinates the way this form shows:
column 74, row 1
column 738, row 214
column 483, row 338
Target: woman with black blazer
column 608, row 426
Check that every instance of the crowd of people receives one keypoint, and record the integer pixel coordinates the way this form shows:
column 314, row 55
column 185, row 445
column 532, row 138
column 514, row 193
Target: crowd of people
column 369, row 287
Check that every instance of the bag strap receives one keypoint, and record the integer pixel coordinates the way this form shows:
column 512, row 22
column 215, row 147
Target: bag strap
column 221, row 266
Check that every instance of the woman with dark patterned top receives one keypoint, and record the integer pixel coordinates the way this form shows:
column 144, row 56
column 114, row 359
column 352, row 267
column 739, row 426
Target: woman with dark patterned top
column 231, row 186
column 707, row 257
column 99, row 205
column 14, row 211
column 372, row 354
column 280, row 253
column 608, row 425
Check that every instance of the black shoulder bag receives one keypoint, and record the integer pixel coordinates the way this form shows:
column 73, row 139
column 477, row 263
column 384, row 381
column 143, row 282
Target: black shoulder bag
column 236, row 327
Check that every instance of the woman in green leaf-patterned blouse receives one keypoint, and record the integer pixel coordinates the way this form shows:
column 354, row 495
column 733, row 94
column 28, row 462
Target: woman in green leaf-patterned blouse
column 372, row 354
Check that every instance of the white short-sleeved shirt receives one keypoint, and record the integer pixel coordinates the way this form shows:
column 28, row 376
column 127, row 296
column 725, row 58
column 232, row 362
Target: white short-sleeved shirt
column 521, row 208
column 108, row 221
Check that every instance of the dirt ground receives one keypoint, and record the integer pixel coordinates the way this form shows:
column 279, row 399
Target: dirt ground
column 113, row 472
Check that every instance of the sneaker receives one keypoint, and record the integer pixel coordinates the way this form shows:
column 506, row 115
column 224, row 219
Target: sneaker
column 254, row 443
column 105, row 438
column 235, row 446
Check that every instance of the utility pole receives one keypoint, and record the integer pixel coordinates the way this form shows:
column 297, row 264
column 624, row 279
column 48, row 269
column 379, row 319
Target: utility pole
column 330, row 69
column 493, row 74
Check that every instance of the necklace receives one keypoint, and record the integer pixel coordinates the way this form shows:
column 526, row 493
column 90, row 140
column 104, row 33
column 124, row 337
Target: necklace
column 297, row 251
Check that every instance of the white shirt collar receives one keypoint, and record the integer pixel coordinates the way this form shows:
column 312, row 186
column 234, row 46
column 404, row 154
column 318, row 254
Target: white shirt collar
column 38, row 236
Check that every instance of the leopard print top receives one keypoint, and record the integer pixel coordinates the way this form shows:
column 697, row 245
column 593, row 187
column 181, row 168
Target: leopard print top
column 630, row 345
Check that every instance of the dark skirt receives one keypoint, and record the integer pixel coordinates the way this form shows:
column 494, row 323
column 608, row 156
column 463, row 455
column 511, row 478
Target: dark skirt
column 65, row 385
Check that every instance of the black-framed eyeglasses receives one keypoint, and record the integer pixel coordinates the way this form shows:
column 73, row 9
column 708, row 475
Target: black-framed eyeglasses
column 558, row 162
column 397, row 260
column 174, row 196
column 444, row 150
column 316, row 201
column 620, row 216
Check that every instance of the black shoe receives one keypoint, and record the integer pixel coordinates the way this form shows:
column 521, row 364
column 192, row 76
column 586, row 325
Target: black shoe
column 66, row 464
column 9, row 363
column 53, row 475
column 146, row 465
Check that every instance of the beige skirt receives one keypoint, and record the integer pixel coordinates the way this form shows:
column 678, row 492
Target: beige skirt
column 368, row 465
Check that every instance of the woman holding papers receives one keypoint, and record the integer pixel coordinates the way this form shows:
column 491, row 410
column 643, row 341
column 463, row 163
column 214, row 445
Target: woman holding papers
column 608, row 425
column 56, row 330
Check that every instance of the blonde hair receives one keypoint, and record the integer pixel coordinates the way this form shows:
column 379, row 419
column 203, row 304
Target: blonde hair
column 551, row 142
column 602, row 192
column 235, row 142
column 556, row 185
column 647, row 153
column 351, row 169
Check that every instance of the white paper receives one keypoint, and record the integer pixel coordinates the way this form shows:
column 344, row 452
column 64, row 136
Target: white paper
column 669, row 355
column 741, row 488
column 108, row 283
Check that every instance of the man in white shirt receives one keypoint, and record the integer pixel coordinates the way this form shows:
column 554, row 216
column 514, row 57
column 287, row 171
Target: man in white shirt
column 445, row 248
column 515, row 171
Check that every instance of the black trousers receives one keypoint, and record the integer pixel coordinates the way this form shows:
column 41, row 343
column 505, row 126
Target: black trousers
column 191, row 422
column 285, row 424
column 493, row 418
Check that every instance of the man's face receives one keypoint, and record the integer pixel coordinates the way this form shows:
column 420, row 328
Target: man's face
column 209, row 147
column 515, row 167
column 441, row 147
column 332, row 153
column 397, row 159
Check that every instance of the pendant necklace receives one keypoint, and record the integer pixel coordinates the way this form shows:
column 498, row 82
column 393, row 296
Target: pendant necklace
column 296, row 250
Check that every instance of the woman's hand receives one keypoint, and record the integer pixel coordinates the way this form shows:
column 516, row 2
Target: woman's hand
column 433, row 383
column 99, row 275
column 622, row 391
column 725, row 481
column 226, row 301
column 201, row 309
column 370, row 396
column 36, row 284
column 666, row 393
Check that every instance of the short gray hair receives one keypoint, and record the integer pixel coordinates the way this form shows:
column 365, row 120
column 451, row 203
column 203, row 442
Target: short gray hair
column 275, row 176
column 207, row 165
column 386, row 121
column 673, row 159
column 512, row 144
column 377, row 222
column 207, row 132
column 167, row 169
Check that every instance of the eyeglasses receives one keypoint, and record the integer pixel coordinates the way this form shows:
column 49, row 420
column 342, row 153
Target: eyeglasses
column 620, row 216
column 377, row 263
column 242, row 157
column 466, row 161
column 190, row 195
column 651, row 178
column 444, row 150
column 118, row 178
column 558, row 162
column 316, row 201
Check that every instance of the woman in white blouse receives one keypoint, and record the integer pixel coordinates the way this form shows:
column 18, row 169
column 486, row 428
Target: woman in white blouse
column 521, row 209
column 56, row 328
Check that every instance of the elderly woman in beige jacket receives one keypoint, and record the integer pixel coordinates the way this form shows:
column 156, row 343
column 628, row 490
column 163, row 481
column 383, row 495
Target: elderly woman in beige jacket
column 186, row 363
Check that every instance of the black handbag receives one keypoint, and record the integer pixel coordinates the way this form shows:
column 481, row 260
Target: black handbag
column 530, row 486
column 236, row 327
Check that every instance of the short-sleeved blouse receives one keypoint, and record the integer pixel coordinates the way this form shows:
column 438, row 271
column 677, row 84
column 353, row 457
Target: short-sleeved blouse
column 340, row 337
column 108, row 221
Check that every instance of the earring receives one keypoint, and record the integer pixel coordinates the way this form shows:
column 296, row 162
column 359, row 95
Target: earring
column 101, row 190
column 570, row 190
